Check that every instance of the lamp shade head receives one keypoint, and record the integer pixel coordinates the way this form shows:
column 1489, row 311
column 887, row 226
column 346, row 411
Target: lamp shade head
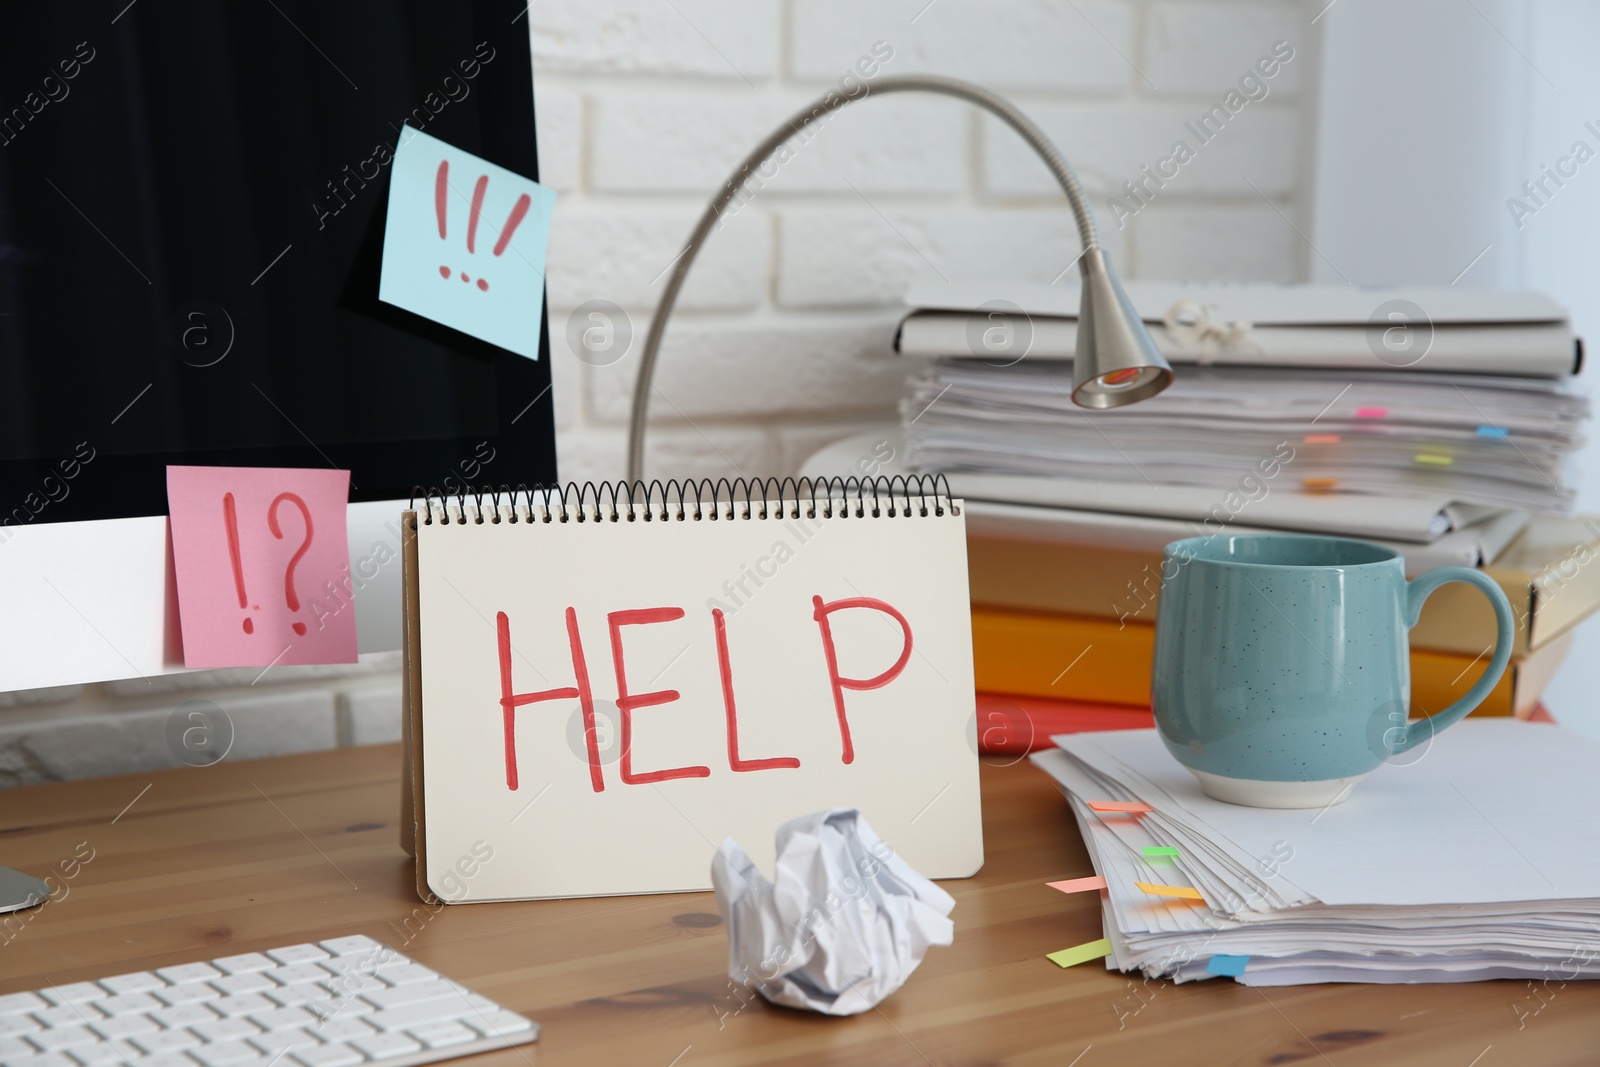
column 1116, row 362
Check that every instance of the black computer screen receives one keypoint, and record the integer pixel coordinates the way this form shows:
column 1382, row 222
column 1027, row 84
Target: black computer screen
column 192, row 197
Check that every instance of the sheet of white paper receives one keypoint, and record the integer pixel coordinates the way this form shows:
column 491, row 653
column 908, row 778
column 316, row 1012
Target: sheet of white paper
column 842, row 924
column 1492, row 810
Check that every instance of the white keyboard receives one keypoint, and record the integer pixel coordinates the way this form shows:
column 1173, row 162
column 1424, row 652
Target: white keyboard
column 339, row 1003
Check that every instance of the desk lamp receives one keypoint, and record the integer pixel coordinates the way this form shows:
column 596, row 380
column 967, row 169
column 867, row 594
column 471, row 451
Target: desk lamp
column 1116, row 362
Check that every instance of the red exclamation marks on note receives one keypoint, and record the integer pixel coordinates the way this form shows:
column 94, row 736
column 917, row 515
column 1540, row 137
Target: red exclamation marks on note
column 441, row 189
column 230, row 518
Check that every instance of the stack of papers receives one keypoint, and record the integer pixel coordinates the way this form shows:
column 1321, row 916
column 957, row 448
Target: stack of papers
column 1495, row 440
column 1470, row 859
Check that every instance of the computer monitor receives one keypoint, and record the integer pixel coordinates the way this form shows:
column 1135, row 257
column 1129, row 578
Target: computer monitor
column 192, row 198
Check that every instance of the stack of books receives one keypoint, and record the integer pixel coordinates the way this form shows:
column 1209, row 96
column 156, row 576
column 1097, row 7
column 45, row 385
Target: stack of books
column 1451, row 868
column 1299, row 421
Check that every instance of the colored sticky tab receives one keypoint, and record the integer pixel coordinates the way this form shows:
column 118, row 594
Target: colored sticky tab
column 1182, row 892
column 1322, row 438
column 263, row 565
column 1433, row 460
column 1159, row 850
column 464, row 243
column 1319, row 483
column 1227, row 966
column 1129, row 806
column 1078, row 885
column 1493, row 431
column 1371, row 413
column 1071, row 957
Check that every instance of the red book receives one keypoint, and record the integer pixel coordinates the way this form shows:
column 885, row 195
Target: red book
column 1013, row 725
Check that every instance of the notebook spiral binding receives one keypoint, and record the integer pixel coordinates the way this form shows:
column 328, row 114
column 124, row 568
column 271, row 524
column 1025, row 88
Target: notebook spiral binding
column 696, row 500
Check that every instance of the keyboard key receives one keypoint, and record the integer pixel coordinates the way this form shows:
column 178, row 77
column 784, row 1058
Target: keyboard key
column 350, row 946
column 183, row 1015
column 15, row 1002
column 42, row 1059
column 69, row 1015
column 124, row 1026
column 138, row 982
column 76, row 993
column 250, row 982
column 406, row 974
column 343, row 1029
column 15, row 1046
column 165, row 1059
column 104, row 1054
column 290, row 996
column 387, row 1046
column 245, row 1004
column 411, row 994
column 63, row 1037
column 427, row 1011
column 189, row 972
column 164, row 1041
column 226, row 1054
column 250, row 961
column 188, row 993
column 328, row 1056
column 283, row 1019
column 284, row 1040
column 500, row 1024
column 226, row 1029
column 296, row 973
column 128, row 1003
column 298, row 954
column 17, row 1025
column 442, row 1035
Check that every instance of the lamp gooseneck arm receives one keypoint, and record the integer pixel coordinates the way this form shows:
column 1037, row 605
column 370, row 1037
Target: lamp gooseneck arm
column 930, row 83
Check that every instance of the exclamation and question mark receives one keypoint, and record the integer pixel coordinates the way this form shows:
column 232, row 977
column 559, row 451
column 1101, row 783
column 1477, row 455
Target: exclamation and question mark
column 230, row 518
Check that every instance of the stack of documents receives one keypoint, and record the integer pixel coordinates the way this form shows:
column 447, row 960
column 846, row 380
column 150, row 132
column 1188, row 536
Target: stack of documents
column 1280, row 390
column 1470, row 859
column 1494, row 440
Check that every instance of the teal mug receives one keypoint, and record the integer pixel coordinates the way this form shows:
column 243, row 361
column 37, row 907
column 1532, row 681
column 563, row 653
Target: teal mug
column 1282, row 671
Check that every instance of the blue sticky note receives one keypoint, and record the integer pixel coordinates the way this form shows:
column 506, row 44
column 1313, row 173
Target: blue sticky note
column 464, row 243
column 1493, row 431
column 1227, row 966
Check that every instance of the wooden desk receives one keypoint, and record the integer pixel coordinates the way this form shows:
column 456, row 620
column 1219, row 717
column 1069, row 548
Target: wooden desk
column 196, row 863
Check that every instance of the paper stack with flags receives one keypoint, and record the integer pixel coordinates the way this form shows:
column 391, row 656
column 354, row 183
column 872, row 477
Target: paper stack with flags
column 1456, row 865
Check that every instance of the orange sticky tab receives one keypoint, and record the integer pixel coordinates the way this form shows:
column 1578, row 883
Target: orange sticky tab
column 1322, row 438
column 1182, row 891
column 1132, row 806
column 1078, row 885
column 1319, row 483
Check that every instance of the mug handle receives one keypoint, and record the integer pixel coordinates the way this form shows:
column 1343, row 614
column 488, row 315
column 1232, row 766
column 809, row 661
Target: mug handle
column 1417, row 591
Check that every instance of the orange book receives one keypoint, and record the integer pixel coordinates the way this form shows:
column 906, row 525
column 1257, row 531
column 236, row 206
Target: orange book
column 1012, row 725
column 1073, row 657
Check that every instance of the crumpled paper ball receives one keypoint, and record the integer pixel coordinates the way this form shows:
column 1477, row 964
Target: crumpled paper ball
column 842, row 925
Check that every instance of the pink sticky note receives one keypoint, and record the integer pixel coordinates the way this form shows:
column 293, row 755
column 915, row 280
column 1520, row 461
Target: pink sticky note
column 1079, row 885
column 263, row 565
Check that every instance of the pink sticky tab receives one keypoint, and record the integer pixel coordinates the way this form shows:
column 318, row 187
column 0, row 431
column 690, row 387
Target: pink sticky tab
column 1078, row 885
column 1371, row 413
column 263, row 565
column 1130, row 806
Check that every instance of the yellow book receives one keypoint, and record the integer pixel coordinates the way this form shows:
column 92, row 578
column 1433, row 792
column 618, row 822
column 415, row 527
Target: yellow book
column 1072, row 657
column 1550, row 573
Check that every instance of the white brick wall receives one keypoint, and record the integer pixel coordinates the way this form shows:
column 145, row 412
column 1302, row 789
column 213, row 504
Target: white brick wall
column 782, row 333
column 781, row 339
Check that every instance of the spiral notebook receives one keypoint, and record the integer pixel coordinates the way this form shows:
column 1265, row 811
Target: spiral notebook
column 603, row 684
